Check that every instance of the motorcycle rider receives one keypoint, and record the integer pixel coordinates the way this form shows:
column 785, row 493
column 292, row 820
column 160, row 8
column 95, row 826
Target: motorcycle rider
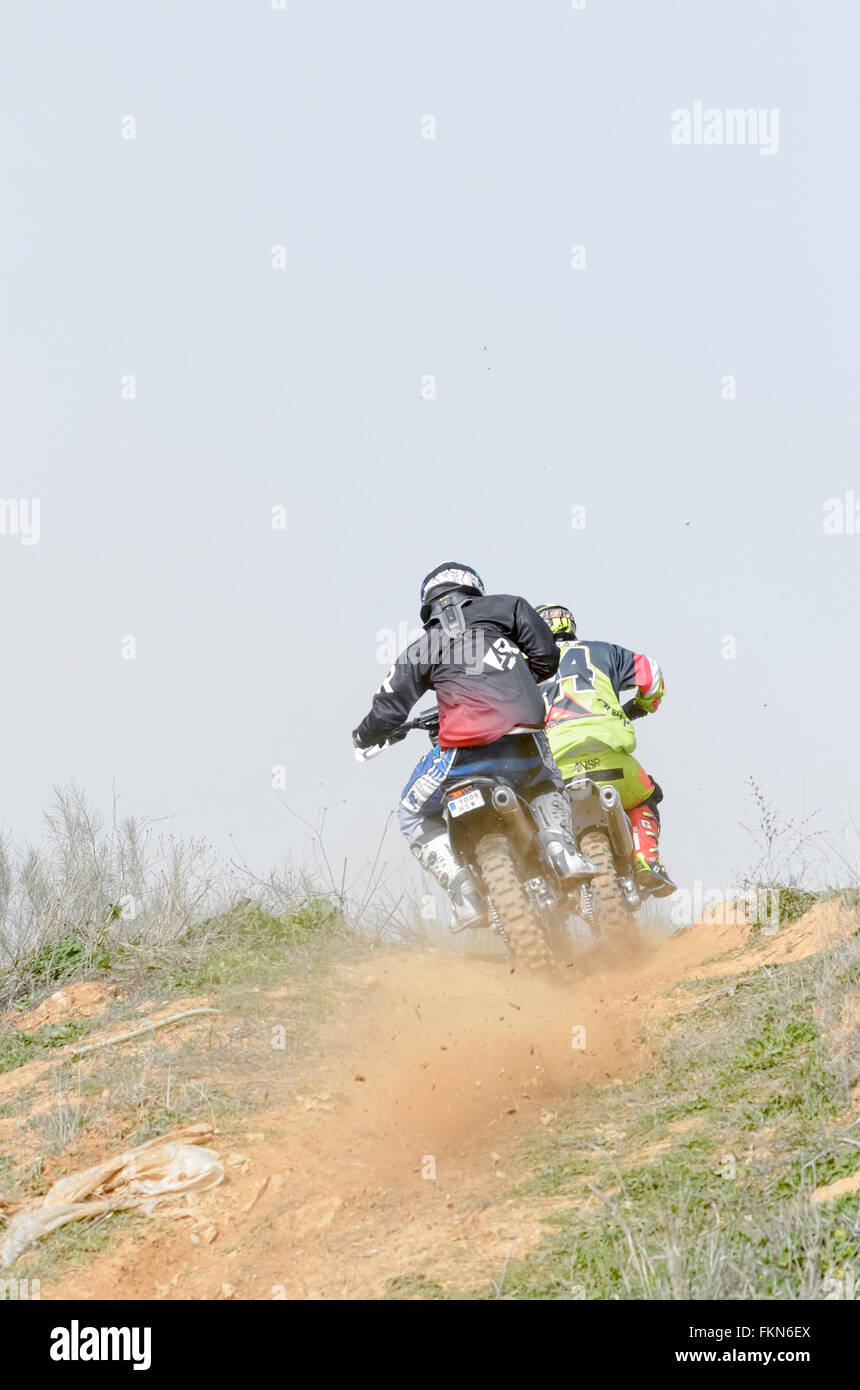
column 483, row 654
column 590, row 731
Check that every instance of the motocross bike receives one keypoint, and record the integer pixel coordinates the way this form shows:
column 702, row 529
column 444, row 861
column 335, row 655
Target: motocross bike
column 494, row 835
column 603, row 835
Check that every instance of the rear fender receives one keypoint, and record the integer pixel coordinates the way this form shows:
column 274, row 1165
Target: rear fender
column 504, row 812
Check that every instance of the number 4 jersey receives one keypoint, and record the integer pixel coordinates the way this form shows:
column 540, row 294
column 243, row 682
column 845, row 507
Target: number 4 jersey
column 583, row 699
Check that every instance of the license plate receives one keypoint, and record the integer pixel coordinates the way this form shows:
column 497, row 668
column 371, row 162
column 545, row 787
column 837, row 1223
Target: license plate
column 458, row 805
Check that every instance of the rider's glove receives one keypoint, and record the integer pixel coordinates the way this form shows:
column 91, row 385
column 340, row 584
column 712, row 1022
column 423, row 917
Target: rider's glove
column 374, row 740
column 633, row 710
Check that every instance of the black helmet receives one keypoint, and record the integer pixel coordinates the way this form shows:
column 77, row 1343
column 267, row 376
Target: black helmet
column 446, row 579
column 559, row 620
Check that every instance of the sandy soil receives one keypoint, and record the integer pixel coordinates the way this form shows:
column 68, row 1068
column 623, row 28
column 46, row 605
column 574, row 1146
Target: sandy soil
column 425, row 1073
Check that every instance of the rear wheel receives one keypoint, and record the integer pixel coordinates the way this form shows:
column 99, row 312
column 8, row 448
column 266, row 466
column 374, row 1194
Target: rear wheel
column 611, row 915
column 525, row 936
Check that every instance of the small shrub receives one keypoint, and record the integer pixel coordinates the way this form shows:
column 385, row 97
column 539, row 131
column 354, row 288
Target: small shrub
column 793, row 902
column 20, row 1047
column 245, row 945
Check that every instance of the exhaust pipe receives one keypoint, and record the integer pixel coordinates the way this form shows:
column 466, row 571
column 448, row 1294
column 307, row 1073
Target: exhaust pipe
column 617, row 824
column 505, row 801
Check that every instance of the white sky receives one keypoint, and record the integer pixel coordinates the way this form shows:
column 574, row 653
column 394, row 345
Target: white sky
column 404, row 257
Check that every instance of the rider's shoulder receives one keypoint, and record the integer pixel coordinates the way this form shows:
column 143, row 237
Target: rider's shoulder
column 490, row 607
column 416, row 651
column 597, row 651
column 488, row 599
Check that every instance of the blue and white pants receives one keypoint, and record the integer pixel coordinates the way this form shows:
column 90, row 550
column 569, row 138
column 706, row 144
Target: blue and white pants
column 523, row 759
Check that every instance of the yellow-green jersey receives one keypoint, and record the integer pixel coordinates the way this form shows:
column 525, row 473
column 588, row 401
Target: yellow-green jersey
column 584, row 713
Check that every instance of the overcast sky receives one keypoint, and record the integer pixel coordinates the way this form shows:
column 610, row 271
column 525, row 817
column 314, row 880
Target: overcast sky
column 593, row 379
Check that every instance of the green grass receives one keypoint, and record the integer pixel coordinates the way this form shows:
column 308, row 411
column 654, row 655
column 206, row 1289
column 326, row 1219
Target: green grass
column 250, row 946
column 416, row 1286
column 19, row 1046
column 724, row 1212
column 71, row 1247
column 70, row 953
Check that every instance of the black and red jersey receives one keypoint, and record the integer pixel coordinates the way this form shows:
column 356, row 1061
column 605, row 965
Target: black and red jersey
column 485, row 678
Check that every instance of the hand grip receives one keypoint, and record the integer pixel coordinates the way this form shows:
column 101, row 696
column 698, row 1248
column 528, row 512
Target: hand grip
column 362, row 754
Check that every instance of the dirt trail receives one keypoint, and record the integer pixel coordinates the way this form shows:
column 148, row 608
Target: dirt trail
column 425, row 1072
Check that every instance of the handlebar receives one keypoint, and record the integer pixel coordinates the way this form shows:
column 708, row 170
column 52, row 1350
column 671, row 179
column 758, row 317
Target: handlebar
column 363, row 755
column 428, row 722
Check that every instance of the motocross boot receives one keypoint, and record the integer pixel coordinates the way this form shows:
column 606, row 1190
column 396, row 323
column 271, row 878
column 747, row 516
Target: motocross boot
column 650, row 873
column 433, row 851
column 551, row 811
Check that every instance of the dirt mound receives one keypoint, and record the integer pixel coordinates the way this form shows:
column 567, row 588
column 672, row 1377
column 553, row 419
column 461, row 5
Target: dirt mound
column 80, row 1000
column 426, row 1071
